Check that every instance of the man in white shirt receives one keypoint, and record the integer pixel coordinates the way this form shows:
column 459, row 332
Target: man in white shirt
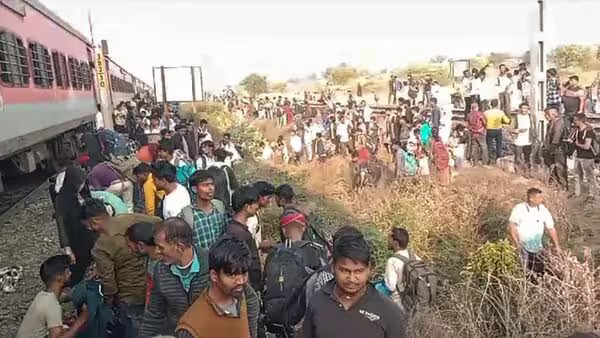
column 176, row 196
column 526, row 227
column 296, row 145
column 504, row 88
column 394, row 270
column 523, row 140
column 343, row 134
column 99, row 118
column 229, row 146
column 308, row 139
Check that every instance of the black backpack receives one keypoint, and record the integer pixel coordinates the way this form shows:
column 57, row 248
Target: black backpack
column 420, row 282
column 221, row 180
column 286, row 271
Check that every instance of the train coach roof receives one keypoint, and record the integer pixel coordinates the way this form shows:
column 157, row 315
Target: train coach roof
column 47, row 12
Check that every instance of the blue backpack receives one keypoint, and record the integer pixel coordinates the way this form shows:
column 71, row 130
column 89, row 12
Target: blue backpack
column 114, row 143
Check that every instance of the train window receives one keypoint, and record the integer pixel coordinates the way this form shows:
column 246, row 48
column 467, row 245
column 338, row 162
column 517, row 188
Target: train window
column 42, row 65
column 75, row 74
column 14, row 69
column 60, row 70
column 86, row 76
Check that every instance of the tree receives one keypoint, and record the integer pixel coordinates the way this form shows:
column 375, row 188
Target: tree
column 571, row 55
column 341, row 74
column 498, row 58
column 278, row 87
column 439, row 59
column 254, row 84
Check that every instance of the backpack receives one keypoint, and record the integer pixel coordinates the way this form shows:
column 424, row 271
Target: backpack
column 114, row 143
column 296, row 304
column 420, row 281
column 286, row 271
column 222, row 184
column 312, row 232
column 183, row 175
column 124, row 166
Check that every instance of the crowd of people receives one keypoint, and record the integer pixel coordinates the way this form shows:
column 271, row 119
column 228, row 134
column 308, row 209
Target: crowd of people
column 173, row 244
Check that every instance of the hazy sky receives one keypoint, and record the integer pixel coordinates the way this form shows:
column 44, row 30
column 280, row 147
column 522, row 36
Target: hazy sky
column 288, row 38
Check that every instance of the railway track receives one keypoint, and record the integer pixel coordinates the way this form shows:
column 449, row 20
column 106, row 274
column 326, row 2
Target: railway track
column 20, row 191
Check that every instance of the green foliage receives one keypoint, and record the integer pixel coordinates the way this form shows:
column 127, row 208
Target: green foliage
column 438, row 72
column 379, row 248
column 479, row 61
column 571, row 55
column 341, row 74
column 498, row 58
column 254, row 84
column 495, row 259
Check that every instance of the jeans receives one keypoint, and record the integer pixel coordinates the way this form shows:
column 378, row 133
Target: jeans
column 494, row 135
column 131, row 316
column 558, row 168
column 585, row 166
column 523, row 158
column 479, row 148
column 123, row 189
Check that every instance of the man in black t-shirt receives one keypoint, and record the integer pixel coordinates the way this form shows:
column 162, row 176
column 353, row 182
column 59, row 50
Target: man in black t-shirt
column 585, row 145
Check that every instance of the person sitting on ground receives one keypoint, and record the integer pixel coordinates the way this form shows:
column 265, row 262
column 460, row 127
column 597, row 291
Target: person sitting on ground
column 140, row 240
column 527, row 224
column 221, row 311
column 337, row 301
column 44, row 316
column 245, row 205
column 176, row 195
column 121, row 272
column 398, row 240
column 207, row 216
column 180, row 278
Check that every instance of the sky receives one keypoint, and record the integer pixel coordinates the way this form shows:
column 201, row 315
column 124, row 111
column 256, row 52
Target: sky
column 293, row 38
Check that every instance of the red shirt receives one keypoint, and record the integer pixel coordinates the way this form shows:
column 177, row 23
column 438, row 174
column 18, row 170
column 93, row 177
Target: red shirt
column 364, row 155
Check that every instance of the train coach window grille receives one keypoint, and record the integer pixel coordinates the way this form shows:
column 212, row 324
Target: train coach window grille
column 14, row 69
column 60, row 70
column 42, row 65
column 86, row 76
column 75, row 72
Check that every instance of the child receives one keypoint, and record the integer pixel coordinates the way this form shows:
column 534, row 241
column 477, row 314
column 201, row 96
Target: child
column 44, row 316
column 457, row 146
column 320, row 148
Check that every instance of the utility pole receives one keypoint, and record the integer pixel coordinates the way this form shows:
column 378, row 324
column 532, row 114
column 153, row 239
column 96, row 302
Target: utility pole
column 154, row 79
column 164, row 87
column 538, row 68
column 201, row 84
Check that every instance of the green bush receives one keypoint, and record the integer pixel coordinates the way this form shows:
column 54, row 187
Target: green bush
column 495, row 259
column 438, row 72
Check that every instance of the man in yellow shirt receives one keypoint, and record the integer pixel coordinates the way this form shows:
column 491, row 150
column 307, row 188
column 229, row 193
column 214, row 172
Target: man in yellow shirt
column 150, row 195
column 495, row 119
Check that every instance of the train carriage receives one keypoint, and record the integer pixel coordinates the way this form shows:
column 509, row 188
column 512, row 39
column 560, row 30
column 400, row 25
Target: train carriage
column 47, row 84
